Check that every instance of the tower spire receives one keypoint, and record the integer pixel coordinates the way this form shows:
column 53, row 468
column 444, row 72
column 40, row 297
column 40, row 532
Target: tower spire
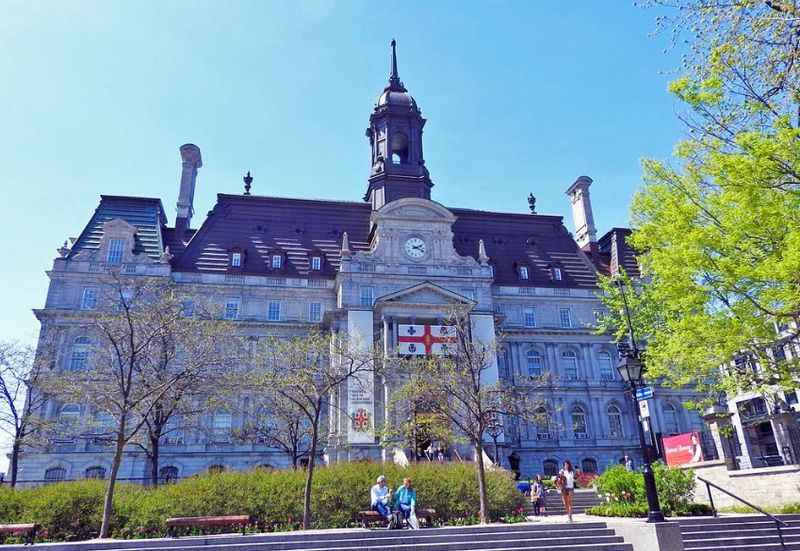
column 394, row 79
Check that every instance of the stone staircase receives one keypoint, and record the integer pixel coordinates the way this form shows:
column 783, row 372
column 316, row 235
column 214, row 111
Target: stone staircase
column 739, row 533
column 582, row 500
column 579, row 536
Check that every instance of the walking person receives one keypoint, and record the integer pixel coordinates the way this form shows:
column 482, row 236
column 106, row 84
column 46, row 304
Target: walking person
column 537, row 495
column 566, row 483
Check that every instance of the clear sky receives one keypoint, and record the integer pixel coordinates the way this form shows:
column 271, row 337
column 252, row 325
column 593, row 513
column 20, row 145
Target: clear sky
column 520, row 97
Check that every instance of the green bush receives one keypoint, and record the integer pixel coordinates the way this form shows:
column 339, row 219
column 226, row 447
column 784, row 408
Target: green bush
column 621, row 486
column 619, row 509
column 72, row 510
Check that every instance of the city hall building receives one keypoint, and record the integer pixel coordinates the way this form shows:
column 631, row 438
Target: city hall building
column 386, row 256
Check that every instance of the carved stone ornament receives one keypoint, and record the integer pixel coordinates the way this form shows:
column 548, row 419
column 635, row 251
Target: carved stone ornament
column 166, row 256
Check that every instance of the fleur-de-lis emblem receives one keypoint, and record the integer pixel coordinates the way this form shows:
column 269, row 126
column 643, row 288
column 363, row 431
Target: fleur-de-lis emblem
column 411, row 330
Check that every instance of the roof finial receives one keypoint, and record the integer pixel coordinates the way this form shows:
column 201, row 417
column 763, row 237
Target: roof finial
column 247, row 181
column 483, row 258
column 345, row 246
column 394, row 78
column 532, row 203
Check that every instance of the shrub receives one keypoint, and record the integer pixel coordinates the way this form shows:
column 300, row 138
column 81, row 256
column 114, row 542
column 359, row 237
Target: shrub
column 72, row 510
column 619, row 485
column 619, row 509
column 675, row 488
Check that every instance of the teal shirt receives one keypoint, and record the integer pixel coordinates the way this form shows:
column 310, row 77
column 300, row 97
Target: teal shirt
column 406, row 496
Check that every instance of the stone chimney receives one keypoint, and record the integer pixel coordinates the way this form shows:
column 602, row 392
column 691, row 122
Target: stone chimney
column 582, row 217
column 190, row 155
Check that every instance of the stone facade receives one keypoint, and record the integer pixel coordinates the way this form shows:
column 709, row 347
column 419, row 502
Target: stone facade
column 283, row 267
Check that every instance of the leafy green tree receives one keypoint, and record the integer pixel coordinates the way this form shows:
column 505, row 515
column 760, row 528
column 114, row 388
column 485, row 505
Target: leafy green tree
column 719, row 236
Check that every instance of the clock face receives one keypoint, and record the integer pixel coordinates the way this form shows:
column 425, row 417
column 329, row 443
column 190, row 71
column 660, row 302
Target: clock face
column 415, row 247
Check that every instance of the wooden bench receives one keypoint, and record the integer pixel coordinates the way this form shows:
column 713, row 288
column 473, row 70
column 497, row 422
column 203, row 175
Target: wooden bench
column 240, row 522
column 27, row 530
column 369, row 518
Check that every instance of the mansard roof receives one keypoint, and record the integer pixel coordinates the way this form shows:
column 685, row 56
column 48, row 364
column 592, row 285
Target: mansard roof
column 146, row 214
column 261, row 226
column 614, row 252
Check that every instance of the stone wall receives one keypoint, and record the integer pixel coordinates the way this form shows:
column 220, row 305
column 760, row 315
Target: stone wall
column 766, row 487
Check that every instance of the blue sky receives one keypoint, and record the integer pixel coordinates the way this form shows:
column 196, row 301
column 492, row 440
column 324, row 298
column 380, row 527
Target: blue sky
column 96, row 97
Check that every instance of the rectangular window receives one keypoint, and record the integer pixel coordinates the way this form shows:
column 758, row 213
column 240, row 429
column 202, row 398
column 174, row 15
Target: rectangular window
column 315, row 311
column 316, row 263
column 598, row 316
column 530, row 317
column 89, row 299
column 274, row 311
column 557, row 274
column 236, row 260
column 115, row 248
column 366, row 296
column 232, row 309
column 565, row 318
column 523, row 272
column 277, row 261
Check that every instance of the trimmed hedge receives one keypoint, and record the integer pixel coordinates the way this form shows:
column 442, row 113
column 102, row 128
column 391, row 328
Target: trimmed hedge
column 72, row 510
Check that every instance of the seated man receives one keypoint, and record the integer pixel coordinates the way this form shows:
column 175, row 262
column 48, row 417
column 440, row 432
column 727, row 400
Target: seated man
column 379, row 498
column 405, row 499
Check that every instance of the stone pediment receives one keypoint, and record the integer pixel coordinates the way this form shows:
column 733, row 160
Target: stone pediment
column 425, row 293
column 412, row 208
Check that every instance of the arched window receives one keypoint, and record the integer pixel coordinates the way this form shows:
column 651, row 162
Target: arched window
column 95, row 472
column 69, row 414
column 399, row 148
column 614, row 421
column 535, row 364
column 578, row 422
column 542, row 424
column 569, row 365
column 168, row 474
column 550, row 467
column 589, row 465
column 606, row 366
column 670, row 415
column 55, row 474
column 80, row 354
column 216, row 469
column 221, row 426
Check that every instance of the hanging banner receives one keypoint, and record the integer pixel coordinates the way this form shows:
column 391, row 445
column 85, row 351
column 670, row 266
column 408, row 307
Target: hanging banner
column 424, row 340
column 683, row 449
column 360, row 386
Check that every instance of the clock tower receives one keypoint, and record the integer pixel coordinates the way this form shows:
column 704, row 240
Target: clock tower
column 395, row 136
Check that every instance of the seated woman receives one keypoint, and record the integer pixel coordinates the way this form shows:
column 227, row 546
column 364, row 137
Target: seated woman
column 405, row 499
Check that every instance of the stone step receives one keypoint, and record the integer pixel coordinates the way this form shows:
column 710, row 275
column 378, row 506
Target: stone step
column 704, row 534
column 590, row 536
column 736, row 518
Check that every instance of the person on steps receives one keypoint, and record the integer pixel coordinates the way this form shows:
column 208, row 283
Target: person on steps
column 537, row 495
column 565, row 481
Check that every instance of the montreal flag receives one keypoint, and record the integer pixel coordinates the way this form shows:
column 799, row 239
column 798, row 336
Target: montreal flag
column 424, row 340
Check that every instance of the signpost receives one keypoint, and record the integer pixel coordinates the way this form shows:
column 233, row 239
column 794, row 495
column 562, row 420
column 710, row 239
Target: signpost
column 644, row 393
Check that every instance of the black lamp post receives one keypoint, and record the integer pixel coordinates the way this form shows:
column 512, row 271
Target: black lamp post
column 631, row 369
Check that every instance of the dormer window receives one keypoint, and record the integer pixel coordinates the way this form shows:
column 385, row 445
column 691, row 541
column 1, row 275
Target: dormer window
column 277, row 261
column 316, row 263
column 115, row 249
column 236, row 260
column 523, row 272
column 556, row 273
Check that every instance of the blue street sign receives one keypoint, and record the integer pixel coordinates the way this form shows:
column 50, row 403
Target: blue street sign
column 644, row 393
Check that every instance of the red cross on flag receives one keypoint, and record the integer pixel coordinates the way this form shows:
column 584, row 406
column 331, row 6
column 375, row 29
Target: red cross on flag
column 424, row 340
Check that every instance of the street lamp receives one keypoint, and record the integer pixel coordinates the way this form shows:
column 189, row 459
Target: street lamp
column 631, row 370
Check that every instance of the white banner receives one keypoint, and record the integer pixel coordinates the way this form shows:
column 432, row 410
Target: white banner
column 360, row 387
column 424, row 340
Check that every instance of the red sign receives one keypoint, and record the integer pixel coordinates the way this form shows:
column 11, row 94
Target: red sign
column 683, row 449
column 419, row 340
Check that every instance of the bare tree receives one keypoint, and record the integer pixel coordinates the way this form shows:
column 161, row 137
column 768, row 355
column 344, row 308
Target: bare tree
column 279, row 423
column 303, row 371
column 21, row 403
column 459, row 387
column 144, row 347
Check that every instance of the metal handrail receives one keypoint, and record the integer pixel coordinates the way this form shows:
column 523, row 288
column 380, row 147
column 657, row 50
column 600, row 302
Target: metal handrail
column 778, row 522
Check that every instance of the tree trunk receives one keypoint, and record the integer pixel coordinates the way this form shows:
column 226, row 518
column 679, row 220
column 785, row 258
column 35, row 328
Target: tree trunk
column 14, row 462
column 108, row 503
column 310, row 474
column 153, row 457
column 481, row 481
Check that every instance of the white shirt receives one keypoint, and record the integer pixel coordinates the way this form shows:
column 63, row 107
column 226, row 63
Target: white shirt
column 569, row 479
column 379, row 494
